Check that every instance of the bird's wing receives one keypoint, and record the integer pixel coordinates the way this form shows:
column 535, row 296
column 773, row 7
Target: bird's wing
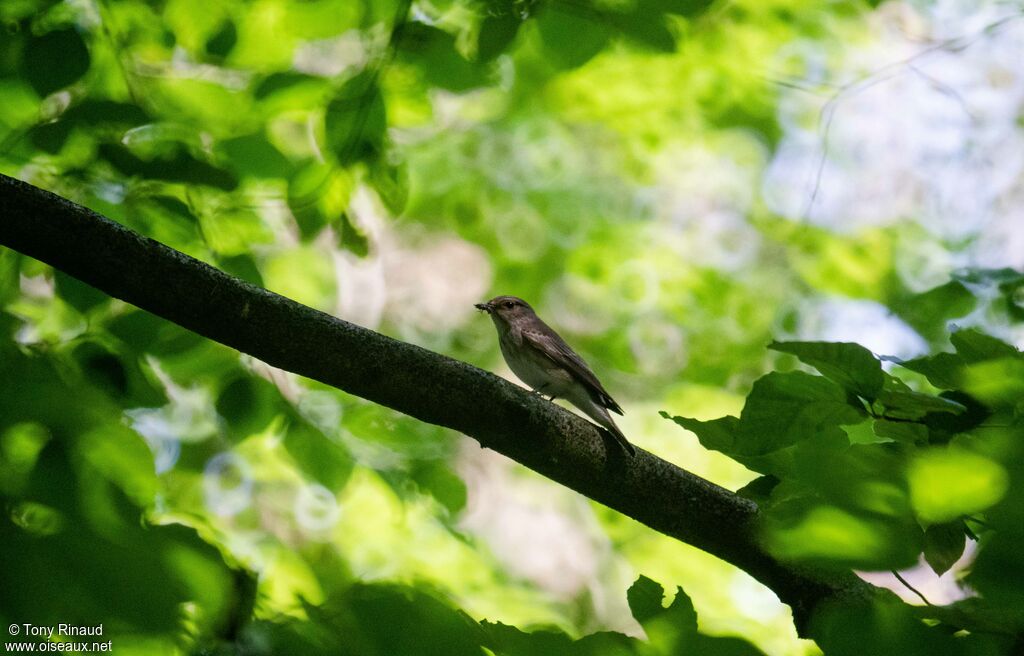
column 554, row 348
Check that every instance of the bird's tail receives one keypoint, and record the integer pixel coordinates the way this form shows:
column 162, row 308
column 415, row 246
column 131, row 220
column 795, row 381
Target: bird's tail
column 620, row 438
column 601, row 416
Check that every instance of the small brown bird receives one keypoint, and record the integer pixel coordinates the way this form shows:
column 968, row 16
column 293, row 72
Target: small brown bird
column 542, row 360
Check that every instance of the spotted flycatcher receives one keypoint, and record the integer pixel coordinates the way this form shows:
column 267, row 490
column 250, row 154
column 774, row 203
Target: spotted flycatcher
column 542, row 360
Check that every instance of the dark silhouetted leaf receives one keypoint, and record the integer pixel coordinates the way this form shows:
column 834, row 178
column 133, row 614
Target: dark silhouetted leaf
column 356, row 120
column 504, row 639
column 283, row 82
column 943, row 545
column 249, row 404
column 55, row 60
column 351, row 238
column 175, row 166
column 716, row 434
column 497, row 31
column 433, row 51
column 759, row 490
column 223, row 42
column 50, row 137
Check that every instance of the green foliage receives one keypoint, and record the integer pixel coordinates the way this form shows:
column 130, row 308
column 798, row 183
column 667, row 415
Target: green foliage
column 673, row 630
column 836, row 499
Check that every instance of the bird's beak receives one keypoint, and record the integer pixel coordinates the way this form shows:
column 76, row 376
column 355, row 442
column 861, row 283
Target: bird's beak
column 486, row 307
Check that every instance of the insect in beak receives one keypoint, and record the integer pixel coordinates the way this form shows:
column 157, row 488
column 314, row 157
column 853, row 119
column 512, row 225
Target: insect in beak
column 485, row 307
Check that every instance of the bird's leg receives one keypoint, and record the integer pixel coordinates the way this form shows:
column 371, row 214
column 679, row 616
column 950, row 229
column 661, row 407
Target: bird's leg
column 540, row 391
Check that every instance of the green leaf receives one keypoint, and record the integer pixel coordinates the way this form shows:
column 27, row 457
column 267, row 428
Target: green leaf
column 883, row 625
column 907, row 404
column 79, row 295
column 645, row 599
column 760, row 489
column 248, row 404
column 669, row 627
column 786, row 408
column 688, row 8
column 55, row 60
column 223, row 42
column 973, row 345
column 352, row 238
column 943, row 545
column 252, row 155
column 290, row 91
column 391, row 182
column 1012, row 289
column 716, row 434
column 851, row 365
column 442, row 484
column 120, row 376
column 929, row 311
column 946, row 370
column 108, row 565
column 646, row 28
column 498, row 30
column 572, row 33
column 242, row 266
column 670, row 631
column 322, row 459
column 998, row 575
column 173, row 165
column 10, row 269
column 908, row 432
column 511, row 641
column 355, row 122
column 278, row 82
column 318, row 195
column 433, row 51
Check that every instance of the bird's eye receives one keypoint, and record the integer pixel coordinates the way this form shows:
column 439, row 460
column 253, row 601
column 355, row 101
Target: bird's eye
column 509, row 304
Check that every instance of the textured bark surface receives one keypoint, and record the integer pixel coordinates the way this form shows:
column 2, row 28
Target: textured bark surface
column 420, row 383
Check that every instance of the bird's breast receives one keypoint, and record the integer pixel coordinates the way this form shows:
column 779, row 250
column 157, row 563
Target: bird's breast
column 533, row 368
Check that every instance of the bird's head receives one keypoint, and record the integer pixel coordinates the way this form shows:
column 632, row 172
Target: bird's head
column 506, row 309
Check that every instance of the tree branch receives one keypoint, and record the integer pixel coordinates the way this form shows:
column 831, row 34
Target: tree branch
column 431, row 387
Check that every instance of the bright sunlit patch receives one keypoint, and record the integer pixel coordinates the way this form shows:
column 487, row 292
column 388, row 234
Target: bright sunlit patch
column 316, row 510
column 868, row 323
column 948, row 483
column 227, row 484
column 829, row 533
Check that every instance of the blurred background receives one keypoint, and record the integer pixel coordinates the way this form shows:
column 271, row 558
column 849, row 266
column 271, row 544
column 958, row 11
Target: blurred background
column 672, row 185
